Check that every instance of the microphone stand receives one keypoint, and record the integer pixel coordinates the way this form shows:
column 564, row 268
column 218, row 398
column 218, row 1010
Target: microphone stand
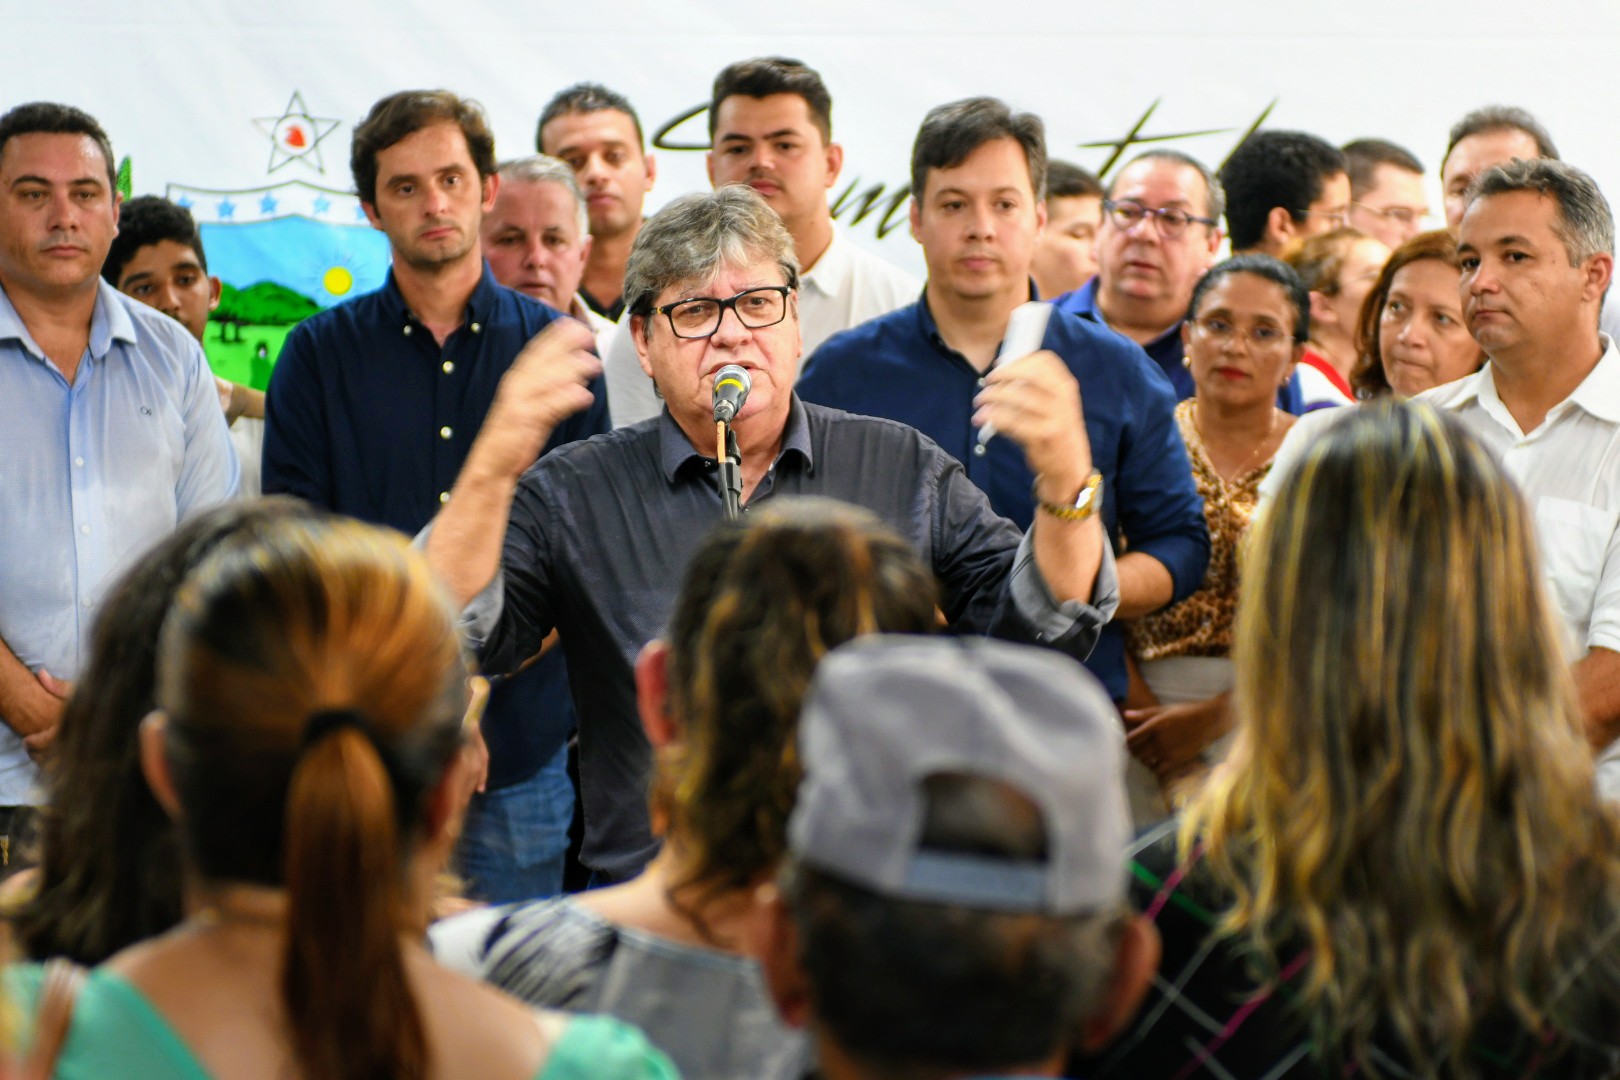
column 729, row 461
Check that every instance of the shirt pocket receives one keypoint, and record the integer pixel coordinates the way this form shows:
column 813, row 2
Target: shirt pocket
column 1574, row 544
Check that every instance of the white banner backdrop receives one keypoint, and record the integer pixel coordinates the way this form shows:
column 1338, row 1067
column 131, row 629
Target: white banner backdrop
column 244, row 110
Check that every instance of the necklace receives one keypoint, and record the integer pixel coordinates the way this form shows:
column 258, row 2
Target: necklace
column 1248, row 462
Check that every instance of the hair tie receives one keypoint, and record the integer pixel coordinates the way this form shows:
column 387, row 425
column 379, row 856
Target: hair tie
column 324, row 722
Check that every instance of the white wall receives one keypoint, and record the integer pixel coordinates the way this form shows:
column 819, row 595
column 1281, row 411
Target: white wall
column 179, row 86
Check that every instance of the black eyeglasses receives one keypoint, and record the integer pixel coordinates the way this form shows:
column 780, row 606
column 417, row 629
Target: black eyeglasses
column 1172, row 221
column 699, row 316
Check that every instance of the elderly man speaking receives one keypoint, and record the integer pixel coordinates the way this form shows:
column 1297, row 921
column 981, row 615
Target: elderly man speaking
column 591, row 541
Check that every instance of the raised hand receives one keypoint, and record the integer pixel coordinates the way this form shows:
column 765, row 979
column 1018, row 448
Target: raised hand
column 547, row 383
column 1035, row 401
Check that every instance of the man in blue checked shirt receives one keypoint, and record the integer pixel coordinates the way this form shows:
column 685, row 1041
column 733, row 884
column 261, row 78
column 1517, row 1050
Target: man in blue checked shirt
column 110, row 426
column 978, row 172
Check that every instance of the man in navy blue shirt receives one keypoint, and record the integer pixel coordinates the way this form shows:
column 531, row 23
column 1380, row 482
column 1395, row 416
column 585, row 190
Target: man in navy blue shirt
column 1160, row 232
column 978, row 171
column 374, row 404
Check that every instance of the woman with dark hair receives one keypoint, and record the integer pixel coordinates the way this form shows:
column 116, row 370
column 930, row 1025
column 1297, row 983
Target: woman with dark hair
column 109, row 864
column 1402, row 868
column 760, row 603
column 1245, row 330
column 311, row 747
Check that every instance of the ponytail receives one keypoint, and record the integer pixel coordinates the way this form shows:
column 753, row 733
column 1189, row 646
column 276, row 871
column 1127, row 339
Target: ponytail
column 350, row 1010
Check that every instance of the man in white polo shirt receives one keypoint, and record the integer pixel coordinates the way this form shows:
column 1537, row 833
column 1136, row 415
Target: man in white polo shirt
column 1536, row 249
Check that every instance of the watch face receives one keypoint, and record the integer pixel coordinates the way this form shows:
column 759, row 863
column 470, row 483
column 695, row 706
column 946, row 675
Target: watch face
column 1089, row 492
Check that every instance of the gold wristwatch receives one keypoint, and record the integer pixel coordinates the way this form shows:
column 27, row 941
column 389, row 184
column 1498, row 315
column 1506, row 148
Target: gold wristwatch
column 1085, row 506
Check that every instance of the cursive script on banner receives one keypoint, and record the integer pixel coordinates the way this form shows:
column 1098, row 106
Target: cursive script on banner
column 853, row 207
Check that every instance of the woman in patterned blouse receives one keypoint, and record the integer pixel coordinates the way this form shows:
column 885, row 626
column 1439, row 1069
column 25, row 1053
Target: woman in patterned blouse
column 1245, row 330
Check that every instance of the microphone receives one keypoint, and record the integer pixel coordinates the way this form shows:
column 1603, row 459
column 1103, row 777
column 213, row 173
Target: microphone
column 731, row 386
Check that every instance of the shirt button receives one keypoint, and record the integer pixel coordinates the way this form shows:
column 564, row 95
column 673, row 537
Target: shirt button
column 79, row 462
column 476, row 328
column 444, row 497
column 85, row 601
column 407, row 330
column 85, row 529
column 982, row 382
column 445, row 433
column 978, row 449
column 449, row 366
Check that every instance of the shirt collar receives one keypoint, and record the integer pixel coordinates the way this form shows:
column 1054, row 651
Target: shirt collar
column 1085, row 305
column 1084, row 302
column 831, row 272
column 110, row 321
column 675, row 450
column 480, row 306
column 1598, row 394
column 930, row 328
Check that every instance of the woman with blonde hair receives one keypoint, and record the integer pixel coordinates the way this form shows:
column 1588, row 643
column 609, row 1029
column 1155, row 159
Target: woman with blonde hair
column 672, row 949
column 1403, row 867
column 310, row 745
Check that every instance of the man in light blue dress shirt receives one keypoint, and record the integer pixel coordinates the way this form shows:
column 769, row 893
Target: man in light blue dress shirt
column 110, row 427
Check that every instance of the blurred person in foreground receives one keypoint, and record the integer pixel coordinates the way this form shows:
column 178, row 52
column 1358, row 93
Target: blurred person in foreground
column 1402, row 868
column 310, row 743
column 953, row 902
column 671, row 951
column 1245, row 332
column 109, row 871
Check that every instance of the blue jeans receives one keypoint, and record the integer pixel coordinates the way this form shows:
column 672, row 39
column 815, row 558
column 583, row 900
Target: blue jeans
column 514, row 840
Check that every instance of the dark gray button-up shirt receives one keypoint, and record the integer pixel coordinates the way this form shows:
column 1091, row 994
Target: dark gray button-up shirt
column 602, row 529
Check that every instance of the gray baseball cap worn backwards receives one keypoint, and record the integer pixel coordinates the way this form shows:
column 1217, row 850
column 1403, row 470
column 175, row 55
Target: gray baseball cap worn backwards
column 885, row 713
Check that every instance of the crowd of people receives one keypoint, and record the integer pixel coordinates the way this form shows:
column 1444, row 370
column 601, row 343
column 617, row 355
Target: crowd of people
column 1227, row 687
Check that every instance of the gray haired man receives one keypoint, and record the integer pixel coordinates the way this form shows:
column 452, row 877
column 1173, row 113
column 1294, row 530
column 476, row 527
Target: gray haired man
column 953, row 902
column 537, row 236
column 1536, row 249
column 593, row 542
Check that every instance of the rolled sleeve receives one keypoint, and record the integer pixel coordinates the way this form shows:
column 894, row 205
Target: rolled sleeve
column 1069, row 625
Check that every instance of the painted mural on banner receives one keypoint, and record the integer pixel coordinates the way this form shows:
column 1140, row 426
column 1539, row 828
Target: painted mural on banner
column 244, row 112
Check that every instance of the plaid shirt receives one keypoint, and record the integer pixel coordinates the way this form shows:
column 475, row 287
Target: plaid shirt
column 1209, row 1017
